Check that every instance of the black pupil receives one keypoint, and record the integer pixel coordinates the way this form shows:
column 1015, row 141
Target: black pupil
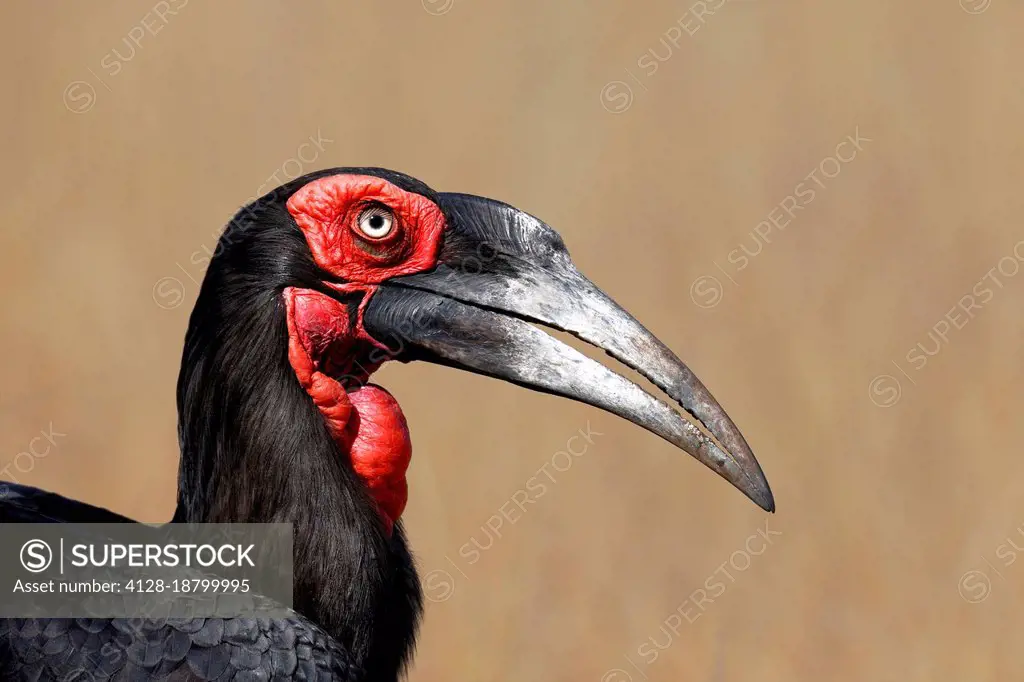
column 376, row 222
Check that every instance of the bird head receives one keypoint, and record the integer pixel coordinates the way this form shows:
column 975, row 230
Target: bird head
column 369, row 265
column 314, row 286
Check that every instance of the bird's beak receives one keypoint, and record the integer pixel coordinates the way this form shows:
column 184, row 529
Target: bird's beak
column 500, row 270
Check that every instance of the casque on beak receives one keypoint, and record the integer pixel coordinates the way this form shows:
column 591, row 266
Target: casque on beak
column 500, row 270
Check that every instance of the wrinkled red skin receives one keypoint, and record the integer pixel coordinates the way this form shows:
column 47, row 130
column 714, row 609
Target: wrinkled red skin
column 324, row 343
column 327, row 210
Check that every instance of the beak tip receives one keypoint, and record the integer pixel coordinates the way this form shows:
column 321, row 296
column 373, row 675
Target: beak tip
column 762, row 496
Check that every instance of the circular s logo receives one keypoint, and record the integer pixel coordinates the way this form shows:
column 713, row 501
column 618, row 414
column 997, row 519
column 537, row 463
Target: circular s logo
column 706, row 291
column 438, row 7
column 168, row 293
column 79, row 97
column 975, row 6
column 974, row 586
column 439, row 585
column 616, row 97
column 885, row 390
column 36, row 556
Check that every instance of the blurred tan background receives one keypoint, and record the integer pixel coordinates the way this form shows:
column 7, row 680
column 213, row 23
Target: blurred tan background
column 131, row 134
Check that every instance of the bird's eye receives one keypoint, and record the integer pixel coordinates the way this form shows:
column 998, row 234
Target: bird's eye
column 376, row 222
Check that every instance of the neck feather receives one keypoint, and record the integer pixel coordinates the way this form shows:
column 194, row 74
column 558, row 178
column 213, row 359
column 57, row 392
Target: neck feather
column 255, row 449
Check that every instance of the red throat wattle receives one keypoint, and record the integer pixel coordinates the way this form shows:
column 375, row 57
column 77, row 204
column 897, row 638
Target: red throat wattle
column 327, row 343
column 364, row 420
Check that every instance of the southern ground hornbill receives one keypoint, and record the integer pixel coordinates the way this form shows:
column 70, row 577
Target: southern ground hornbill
column 312, row 287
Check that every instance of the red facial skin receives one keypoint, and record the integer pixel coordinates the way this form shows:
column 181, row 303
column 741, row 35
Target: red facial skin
column 364, row 420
